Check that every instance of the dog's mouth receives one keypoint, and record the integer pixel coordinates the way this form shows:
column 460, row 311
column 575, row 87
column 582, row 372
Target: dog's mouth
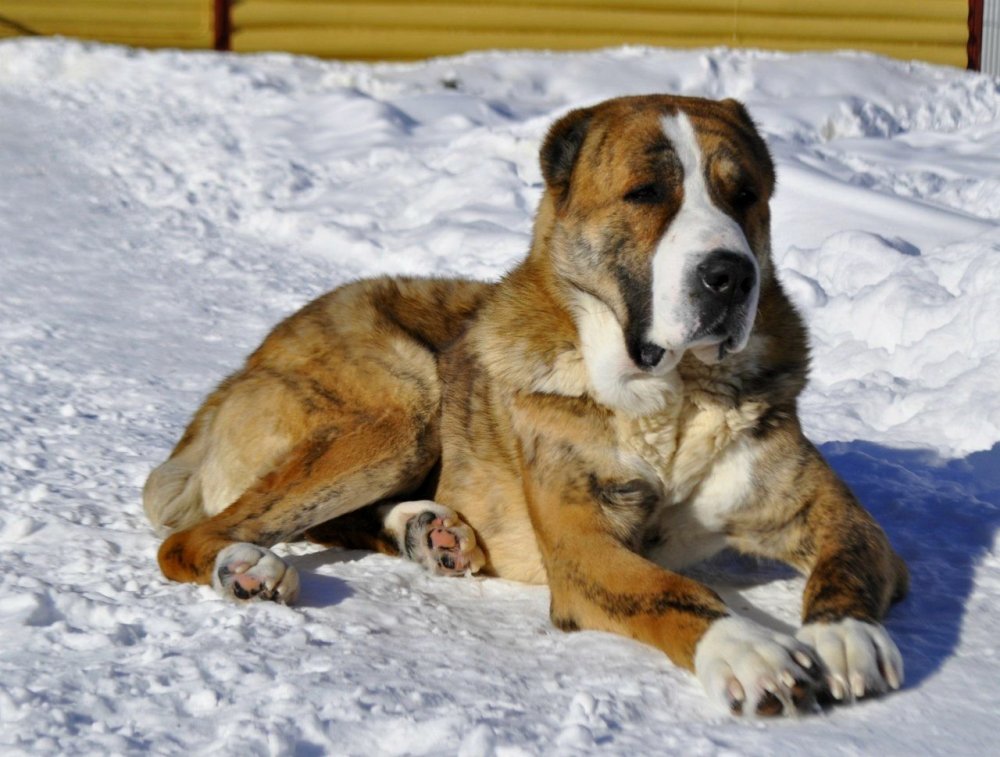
column 711, row 344
column 726, row 335
column 713, row 352
column 651, row 357
column 710, row 316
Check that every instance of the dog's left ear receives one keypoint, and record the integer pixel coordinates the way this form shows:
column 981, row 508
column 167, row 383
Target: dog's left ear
column 756, row 142
column 738, row 108
column 561, row 148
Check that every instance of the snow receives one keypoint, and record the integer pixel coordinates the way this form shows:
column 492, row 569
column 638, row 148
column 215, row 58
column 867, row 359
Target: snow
column 159, row 211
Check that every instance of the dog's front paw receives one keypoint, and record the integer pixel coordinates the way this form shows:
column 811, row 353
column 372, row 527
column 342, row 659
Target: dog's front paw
column 245, row 572
column 860, row 658
column 749, row 669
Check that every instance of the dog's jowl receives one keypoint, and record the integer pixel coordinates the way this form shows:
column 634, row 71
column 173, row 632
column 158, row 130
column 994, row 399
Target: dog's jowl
column 620, row 405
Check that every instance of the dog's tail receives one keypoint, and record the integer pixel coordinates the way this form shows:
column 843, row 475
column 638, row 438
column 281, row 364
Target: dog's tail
column 172, row 496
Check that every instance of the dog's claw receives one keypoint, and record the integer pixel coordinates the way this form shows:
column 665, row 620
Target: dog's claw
column 755, row 671
column 861, row 659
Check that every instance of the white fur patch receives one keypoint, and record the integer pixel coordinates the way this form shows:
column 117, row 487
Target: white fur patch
column 861, row 659
column 396, row 516
column 727, row 487
column 614, row 379
column 694, row 529
column 739, row 663
column 699, row 228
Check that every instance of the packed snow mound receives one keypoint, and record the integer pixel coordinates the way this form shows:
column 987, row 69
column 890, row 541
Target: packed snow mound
column 160, row 211
column 904, row 342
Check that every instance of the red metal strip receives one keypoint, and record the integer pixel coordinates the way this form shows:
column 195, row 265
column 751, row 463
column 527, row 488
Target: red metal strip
column 975, row 44
column 224, row 24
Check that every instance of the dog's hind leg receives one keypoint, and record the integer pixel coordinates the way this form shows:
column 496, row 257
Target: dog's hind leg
column 330, row 473
column 242, row 430
column 338, row 408
column 172, row 496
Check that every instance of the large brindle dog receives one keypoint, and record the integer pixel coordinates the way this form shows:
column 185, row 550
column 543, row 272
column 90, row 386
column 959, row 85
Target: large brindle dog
column 620, row 405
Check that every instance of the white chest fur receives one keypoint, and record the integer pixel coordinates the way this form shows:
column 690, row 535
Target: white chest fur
column 697, row 449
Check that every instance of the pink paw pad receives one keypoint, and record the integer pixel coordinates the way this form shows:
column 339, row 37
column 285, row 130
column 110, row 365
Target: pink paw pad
column 247, row 583
column 442, row 544
column 246, row 573
column 440, row 537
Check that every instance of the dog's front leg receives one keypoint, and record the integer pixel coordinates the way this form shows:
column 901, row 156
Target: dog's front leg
column 597, row 583
column 854, row 577
column 813, row 522
column 580, row 516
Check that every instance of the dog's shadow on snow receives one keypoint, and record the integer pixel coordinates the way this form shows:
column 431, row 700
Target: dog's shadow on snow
column 317, row 589
column 941, row 516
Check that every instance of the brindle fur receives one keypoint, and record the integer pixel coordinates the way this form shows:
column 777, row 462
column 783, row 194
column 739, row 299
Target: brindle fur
column 358, row 397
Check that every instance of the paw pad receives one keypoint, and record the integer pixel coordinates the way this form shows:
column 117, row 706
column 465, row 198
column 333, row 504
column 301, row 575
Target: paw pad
column 443, row 544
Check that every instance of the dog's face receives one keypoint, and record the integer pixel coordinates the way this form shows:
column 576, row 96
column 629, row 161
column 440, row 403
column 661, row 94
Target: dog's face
column 661, row 227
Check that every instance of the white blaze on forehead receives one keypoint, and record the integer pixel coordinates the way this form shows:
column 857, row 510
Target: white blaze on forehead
column 699, row 227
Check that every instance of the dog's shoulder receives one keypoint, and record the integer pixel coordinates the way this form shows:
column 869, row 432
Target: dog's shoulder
column 525, row 341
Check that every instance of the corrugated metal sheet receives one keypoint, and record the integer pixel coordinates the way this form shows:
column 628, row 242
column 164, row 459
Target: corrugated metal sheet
column 932, row 30
column 990, row 51
column 147, row 23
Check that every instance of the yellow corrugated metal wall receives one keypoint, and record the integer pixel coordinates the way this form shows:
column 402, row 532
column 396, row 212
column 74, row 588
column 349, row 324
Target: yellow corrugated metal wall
column 932, row 30
column 144, row 23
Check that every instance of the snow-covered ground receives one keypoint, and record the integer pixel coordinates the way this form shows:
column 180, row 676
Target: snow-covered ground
column 158, row 212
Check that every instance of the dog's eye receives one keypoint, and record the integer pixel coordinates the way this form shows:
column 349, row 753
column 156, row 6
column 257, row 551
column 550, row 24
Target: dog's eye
column 744, row 198
column 647, row 194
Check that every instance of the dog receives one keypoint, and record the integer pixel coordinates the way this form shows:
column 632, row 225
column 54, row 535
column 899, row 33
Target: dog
column 622, row 404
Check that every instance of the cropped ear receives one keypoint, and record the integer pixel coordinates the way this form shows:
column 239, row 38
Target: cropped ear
column 738, row 109
column 561, row 148
column 761, row 154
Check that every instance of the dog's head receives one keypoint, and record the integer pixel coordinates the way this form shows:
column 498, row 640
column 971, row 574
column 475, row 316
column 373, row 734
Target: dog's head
column 656, row 215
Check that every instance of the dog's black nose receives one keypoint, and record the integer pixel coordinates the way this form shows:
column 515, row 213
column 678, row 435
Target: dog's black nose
column 728, row 276
column 650, row 355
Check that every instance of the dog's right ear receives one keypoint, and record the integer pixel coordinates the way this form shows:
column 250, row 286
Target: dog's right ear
column 561, row 148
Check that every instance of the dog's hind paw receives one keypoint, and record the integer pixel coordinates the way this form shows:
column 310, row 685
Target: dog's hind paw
column 751, row 670
column 246, row 573
column 434, row 536
column 861, row 659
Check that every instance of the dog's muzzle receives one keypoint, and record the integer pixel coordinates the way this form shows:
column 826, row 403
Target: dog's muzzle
column 720, row 303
